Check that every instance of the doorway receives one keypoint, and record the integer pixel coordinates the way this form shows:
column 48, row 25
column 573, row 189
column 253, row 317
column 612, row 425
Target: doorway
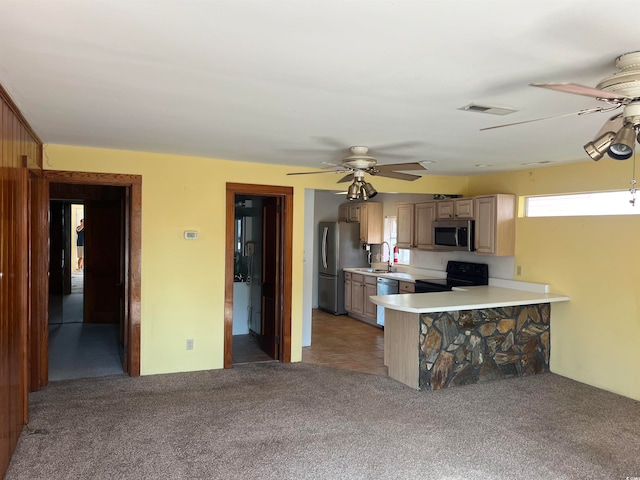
column 86, row 318
column 111, row 283
column 259, row 225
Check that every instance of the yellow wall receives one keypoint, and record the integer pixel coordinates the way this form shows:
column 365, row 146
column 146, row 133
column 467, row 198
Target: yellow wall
column 183, row 281
column 594, row 260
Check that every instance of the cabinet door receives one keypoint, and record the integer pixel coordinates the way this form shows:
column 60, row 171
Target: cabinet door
column 463, row 207
column 370, row 308
column 343, row 213
column 364, row 223
column 485, row 236
column 444, row 209
column 357, row 294
column 425, row 214
column 354, row 213
column 347, row 295
column 371, row 224
column 405, row 225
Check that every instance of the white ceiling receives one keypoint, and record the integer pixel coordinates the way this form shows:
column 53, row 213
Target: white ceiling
column 288, row 82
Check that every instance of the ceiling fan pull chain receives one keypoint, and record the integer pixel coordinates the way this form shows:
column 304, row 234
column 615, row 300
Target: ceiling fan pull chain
column 633, row 184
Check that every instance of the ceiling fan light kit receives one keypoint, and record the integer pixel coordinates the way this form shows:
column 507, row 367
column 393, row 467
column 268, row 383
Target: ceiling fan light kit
column 599, row 146
column 622, row 145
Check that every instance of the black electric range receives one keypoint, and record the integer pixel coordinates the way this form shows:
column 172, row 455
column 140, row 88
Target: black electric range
column 459, row 274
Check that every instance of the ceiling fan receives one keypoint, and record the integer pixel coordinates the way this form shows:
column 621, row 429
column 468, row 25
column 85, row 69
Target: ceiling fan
column 618, row 135
column 359, row 162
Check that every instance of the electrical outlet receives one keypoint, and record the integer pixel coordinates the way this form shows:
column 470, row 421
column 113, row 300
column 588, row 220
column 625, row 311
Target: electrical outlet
column 190, row 344
column 519, row 270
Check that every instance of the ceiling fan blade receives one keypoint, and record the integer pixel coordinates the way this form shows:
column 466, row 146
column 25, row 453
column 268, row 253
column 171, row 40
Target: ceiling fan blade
column 399, row 156
column 313, row 173
column 614, row 124
column 346, row 178
column 393, row 146
column 581, row 112
column 399, row 176
column 400, row 166
column 581, row 90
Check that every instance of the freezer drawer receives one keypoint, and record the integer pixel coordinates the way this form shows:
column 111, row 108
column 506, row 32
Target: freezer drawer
column 331, row 294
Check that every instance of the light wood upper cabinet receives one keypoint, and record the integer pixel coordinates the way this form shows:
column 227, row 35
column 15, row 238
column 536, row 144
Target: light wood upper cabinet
column 405, row 225
column 371, row 224
column 463, row 208
column 425, row 215
column 495, row 225
column 343, row 213
column 354, row 212
column 369, row 215
column 444, row 209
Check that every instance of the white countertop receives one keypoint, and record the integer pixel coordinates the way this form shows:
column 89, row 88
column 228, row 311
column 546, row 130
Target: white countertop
column 469, row 298
column 402, row 276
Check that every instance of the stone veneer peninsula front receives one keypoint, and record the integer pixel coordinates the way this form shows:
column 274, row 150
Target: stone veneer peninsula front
column 443, row 339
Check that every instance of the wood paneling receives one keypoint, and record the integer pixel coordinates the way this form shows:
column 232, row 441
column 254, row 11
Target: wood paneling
column 38, row 262
column 13, row 308
column 286, row 194
column 18, row 143
column 17, row 138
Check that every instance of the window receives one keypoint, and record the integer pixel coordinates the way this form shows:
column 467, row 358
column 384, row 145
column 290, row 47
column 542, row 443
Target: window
column 580, row 204
column 391, row 237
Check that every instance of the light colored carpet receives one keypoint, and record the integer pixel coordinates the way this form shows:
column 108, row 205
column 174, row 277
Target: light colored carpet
column 300, row 421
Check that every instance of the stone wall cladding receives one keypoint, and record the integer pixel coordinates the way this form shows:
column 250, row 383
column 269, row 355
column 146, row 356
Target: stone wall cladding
column 471, row 346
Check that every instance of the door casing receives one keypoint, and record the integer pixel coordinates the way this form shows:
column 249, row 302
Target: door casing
column 133, row 251
column 284, row 303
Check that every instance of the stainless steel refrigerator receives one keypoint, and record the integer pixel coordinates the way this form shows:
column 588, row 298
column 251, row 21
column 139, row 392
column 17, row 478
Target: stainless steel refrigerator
column 340, row 247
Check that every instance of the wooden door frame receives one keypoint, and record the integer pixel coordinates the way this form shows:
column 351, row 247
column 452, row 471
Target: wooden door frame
column 133, row 277
column 286, row 193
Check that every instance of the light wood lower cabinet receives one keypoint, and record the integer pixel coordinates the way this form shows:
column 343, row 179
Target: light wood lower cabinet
column 358, row 289
column 406, row 287
column 347, row 291
column 357, row 294
column 370, row 308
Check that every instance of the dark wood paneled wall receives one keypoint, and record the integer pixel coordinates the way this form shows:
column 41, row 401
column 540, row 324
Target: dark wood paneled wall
column 20, row 151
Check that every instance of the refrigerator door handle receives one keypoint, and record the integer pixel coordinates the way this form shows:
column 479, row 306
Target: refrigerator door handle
column 325, row 232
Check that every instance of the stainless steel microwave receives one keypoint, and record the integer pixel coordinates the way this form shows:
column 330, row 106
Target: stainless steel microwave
column 453, row 235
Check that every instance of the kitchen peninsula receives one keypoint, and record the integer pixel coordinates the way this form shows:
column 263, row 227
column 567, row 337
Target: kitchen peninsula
column 465, row 336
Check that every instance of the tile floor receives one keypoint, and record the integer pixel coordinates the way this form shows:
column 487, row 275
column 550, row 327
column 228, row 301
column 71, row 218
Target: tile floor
column 245, row 349
column 343, row 342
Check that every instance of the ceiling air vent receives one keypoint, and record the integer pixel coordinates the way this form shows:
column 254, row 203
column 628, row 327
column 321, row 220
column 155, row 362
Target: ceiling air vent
column 474, row 107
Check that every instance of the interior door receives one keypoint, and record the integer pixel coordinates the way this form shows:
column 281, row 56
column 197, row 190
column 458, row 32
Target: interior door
column 271, row 241
column 104, row 262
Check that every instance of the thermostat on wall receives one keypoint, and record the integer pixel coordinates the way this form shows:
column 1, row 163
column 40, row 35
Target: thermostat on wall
column 190, row 235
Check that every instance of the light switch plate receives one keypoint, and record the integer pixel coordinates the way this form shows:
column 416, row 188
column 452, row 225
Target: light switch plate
column 190, row 235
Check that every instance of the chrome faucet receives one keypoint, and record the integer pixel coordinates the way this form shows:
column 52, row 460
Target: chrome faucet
column 389, row 261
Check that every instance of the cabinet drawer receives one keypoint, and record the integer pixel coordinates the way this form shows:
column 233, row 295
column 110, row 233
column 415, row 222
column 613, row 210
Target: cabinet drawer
column 357, row 277
column 347, row 275
column 407, row 287
column 369, row 280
